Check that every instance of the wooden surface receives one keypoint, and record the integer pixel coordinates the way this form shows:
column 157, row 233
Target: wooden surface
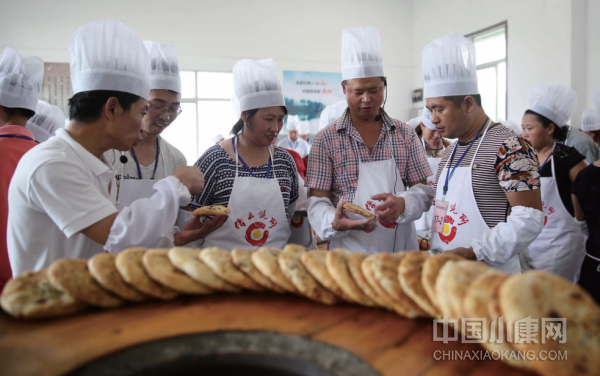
column 391, row 344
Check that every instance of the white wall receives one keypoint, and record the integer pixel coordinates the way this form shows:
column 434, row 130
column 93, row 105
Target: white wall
column 593, row 50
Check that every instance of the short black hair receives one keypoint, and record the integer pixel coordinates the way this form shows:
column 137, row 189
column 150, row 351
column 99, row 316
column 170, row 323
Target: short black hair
column 250, row 114
column 382, row 79
column 17, row 111
column 459, row 99
column 86, row 106
column 560, row 133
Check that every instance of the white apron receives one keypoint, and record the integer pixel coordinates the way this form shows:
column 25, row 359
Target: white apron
column 299, row 226
column 374, row 178
column 463, row 219
column 424, row 223
column 560, row 248
column 257, row 217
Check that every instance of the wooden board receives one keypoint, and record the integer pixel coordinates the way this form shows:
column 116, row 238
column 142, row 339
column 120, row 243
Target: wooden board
column 391, row 344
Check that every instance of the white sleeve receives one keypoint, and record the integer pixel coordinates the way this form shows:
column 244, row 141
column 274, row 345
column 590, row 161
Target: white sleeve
column 509, row 238
column 147, row 221
column 417, row 200
column 321, row 214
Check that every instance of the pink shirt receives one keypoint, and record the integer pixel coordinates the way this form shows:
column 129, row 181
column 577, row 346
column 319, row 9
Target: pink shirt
column 11, row 150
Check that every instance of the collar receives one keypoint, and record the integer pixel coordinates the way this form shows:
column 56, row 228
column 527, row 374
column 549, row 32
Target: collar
column 16, row 130
column 346, row 120
column 97, row 166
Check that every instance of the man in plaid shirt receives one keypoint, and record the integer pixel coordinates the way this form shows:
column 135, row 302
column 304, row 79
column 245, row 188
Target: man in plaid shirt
column 367, row 158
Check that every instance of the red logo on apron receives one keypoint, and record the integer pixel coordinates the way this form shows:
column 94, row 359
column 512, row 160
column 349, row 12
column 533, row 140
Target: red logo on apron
column 297, row 221
column 370, row 206
column 256, row 234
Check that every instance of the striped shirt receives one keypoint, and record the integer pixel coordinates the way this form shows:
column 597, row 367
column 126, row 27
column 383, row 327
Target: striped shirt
column 219, row 174
column 504, row 163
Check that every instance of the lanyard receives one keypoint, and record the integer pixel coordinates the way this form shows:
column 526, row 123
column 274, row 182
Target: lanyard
column 430, row 151
column 155, row 161
column 246, row 166
column 450, row 174
column 18, row 136
column 546, row 161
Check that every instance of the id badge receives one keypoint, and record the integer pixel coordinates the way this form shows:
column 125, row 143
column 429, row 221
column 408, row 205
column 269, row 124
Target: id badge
column 439, row 215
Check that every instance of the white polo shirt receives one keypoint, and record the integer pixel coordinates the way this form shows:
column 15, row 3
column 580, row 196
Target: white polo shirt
column 300, row 146
column 58, row 189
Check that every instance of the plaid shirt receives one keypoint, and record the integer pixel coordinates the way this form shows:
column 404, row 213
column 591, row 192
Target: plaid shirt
column 338, row 149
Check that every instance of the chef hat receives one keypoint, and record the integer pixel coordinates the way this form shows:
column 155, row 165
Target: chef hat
column 20, row 80
column 218, row 138
column 257, row 84
column 449, row 67
column 164, row 66
column 426, row 119
column 414, row 122
column 331, row 113
column 47, row 119
column 590, row 120
column 362, row 55
column 556, row 102
column 512, row 125
column 107, row 55
column 293, row 123
column 304, row 128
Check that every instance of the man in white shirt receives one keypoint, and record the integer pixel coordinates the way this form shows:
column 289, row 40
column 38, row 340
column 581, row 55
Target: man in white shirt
column 292, row 141
column 63, row 193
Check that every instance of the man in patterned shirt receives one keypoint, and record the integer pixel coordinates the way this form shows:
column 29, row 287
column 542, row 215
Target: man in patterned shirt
column 367, row 158
column 488, row 203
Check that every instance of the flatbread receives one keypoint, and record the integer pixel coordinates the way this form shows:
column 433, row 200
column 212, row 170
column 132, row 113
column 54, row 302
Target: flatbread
column 410, row 272
column 265, row 260
column 452, row 289
column 355, row 261
column 159, row 268
column 292, row 268
column 74, row 277
column 219, row 260
column 188, row 261
column 102, row 268
column 431, row 269
column 130, row 266
column 337, row 266
column 357, row 209
column 242, row 260
column 31, row 295
column 211, row 210
column 315, row 263
column 541, row 295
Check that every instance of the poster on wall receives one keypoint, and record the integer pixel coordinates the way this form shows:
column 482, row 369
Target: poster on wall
column 56, row 87
column 307, row 93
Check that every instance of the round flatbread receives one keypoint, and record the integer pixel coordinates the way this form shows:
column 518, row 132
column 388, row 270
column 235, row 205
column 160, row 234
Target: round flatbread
column 219, row 260
column 292, row 268
column 431, row 269
column 73, row 276
column 242, row 260
column 367, row 270
column 315, row 263
column 31, row 295
column 355, row 261
column 159, row 268
column 539, row 295
column 130, row 266
column 211, row 210
column 410, row 272
column 452, row 288
column 188, row 261
column 265, row 260
column 357, row 209
column 337, row 266
column 102, row 268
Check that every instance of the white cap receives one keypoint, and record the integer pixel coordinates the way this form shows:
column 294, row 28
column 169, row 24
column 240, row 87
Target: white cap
column 414, row 122
column 107, row 55
column 362, row 55
column 218, row 138
column 293, row 123
column 164, row 66
column 47, row 119
column 20, row 80
column 590, row 120
column 331, row 113
column 512, row 125
column 556, row 102
column 257, row 84
column 304, row 128
column 449, row 67
column 426, row 119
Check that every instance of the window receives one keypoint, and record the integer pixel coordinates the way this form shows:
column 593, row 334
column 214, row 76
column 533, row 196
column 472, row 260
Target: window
column 207, row 112
column 491, row 51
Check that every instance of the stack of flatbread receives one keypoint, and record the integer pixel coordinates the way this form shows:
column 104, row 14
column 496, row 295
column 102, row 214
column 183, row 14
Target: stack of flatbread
column 411, row 284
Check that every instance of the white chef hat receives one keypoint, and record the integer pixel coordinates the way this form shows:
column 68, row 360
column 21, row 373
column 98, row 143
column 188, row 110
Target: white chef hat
column 331, row 113
column 426, row 119
column 590, row 120
column 512, row 125
column 449, row 67
column 20, row 80
column 256, row 84
column 414, row 122
column 304, row 128
column 556, row 102
column 362, row 55
column 107, row 55
column 293, row 123
column 164, row 66
column 47, row 119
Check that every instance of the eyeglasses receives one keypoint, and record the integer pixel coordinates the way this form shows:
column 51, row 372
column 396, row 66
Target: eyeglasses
column 170, row 111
